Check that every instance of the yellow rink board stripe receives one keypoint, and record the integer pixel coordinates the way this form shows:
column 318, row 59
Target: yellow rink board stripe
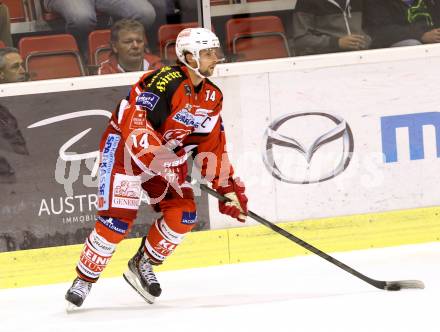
column 244, row 244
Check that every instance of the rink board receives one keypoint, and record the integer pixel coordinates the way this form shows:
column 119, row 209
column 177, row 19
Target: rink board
column 246, row 244
column 53, row 198
column 391, row 133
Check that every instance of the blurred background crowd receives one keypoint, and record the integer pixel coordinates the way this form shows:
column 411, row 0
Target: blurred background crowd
column 47, row 39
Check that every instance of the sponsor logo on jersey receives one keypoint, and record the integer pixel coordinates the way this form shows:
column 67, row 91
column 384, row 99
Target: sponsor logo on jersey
column 138, row 120
column 148, row 100
column 114, row 224
column 203, row 112
column 176, row 134
column 163, row 82
column 174, row 137
column 189, row 218
column 160, row 81
column 126, row 192
column 105, row 170
column 186, row 118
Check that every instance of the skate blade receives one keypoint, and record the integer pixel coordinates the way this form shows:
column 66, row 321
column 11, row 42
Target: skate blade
column 70, row 307
column 134, row 282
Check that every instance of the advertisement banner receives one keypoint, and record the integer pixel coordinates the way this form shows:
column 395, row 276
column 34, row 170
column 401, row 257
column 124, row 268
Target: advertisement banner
column 48, row 168
column 335, row 141
column 367, row 132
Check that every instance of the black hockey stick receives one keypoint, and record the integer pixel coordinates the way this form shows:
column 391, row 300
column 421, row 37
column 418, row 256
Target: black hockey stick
column 386, row 285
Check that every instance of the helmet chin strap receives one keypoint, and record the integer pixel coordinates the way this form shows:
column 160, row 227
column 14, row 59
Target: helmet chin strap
column 195, row 70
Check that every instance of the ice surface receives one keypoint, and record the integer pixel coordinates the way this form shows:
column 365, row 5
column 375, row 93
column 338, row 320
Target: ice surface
column 295, row 294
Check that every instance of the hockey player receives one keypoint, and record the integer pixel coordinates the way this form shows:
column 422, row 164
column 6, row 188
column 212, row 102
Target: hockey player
column 169, row 113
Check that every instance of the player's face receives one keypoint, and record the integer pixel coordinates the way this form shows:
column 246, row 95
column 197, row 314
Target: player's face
column 209, row 59
column 129, row 47
column 13, row 71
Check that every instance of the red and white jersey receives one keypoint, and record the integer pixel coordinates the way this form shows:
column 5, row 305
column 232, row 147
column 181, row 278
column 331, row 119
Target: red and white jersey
column 164, row 108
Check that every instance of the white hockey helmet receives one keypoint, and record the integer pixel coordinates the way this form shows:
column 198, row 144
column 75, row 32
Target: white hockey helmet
column 193, row 40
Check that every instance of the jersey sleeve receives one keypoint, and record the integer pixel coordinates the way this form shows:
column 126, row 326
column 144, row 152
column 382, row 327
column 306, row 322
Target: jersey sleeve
column 147, row 95
column 141, row 140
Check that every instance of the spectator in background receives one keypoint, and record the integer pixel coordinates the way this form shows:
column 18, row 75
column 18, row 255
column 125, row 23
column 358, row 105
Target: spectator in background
column 80, row 15
column 169, row 10
column 188, row 10
column 325, row 26
column 14, row 142
column 5, row 25
column 394, row 23
column 11, row 66
column 128, row 50
column 11, row 71
column 161, row 9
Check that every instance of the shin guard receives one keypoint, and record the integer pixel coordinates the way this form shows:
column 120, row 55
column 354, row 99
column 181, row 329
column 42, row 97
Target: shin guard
column 99, row 247
column 162, row 240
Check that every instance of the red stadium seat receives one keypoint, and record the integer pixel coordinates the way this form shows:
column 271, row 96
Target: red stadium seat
column 52, row 56
column 17, row 10
column 167, row 39
column 257, row 38
column 99, row 46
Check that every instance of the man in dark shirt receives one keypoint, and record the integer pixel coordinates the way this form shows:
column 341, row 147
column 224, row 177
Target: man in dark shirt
column 325, row 26
column 402, row 22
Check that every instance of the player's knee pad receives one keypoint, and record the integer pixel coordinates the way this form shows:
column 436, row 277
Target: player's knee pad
column 96, row 254
column 112, row 229
column 164, row 235
column 179, row 214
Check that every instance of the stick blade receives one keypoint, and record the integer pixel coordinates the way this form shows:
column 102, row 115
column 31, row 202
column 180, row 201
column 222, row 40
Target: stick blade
column 404, row 284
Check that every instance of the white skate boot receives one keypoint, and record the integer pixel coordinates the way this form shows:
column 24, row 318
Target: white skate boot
column 141, row 277
column 77, row 293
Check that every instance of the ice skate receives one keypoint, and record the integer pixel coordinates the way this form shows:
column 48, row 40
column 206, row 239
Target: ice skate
column 141, row 277
column 77, row 293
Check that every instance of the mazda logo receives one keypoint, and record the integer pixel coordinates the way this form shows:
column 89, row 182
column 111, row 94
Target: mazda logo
column 273, row 138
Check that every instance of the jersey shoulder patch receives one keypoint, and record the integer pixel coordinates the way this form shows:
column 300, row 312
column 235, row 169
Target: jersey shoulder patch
column 157, row 90
column 166, row 79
